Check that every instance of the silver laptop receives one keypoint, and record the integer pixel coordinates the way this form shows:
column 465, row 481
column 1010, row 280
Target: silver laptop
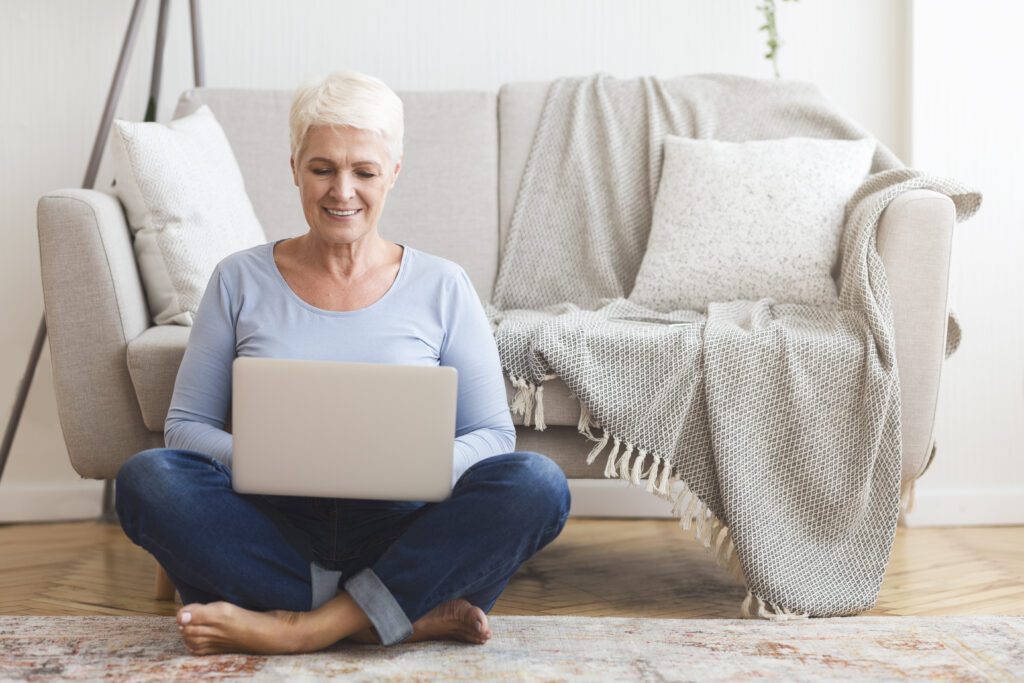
column 343, row 430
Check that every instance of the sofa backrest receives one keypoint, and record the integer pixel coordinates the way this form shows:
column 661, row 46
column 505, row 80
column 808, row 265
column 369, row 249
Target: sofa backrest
column 445, row 201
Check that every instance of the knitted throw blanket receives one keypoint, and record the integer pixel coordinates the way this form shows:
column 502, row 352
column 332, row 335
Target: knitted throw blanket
column 773, row 428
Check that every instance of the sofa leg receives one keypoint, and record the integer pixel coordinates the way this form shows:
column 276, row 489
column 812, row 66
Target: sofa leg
column 163, row 588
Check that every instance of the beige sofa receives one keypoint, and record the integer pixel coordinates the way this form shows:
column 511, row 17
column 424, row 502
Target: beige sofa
column 464, row 156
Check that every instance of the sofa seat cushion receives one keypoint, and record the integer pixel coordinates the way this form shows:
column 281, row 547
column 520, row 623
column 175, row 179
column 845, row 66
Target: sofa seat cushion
column 154, row 357
column 153, row 360
column 565, row 446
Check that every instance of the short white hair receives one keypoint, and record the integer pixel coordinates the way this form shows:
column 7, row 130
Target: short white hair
column 348, row 98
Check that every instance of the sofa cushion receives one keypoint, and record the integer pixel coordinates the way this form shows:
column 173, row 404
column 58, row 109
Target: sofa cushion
column 746, row 220
column 153, row 360
column 186, row 205
column 565, row 446
column 445, row 201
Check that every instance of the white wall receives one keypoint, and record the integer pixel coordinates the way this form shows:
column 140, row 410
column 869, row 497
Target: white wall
column 56, row 60
column 968, row 123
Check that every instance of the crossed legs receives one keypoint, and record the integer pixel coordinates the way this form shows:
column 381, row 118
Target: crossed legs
column 247, row 587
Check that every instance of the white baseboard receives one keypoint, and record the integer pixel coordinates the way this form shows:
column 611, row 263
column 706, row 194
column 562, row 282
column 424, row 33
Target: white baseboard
column 968, row 507
column 616, row 498
column 590, row 498
column 65, row 501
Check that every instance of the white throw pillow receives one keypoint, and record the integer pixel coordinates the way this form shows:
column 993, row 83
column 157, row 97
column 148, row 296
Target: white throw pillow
column 186, row 204
column 747, row 220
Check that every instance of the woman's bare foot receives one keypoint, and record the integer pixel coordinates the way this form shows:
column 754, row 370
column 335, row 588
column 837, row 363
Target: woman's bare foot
column 219, row 627
column 454, row 620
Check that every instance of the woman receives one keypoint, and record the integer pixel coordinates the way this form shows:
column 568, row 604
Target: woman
column 251, row 569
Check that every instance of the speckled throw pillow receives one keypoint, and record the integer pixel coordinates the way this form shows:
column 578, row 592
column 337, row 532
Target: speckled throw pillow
column 747, row 220
column 186, row 204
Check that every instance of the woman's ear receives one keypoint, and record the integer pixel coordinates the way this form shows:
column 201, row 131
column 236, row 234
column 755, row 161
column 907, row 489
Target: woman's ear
column 398, row 167
column 295, row 175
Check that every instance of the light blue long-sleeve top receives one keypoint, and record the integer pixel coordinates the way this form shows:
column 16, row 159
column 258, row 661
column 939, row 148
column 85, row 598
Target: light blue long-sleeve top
column 431, row 315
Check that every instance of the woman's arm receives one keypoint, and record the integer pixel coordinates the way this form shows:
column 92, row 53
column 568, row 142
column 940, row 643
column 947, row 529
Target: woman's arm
column 202, row 390
column 483, row 422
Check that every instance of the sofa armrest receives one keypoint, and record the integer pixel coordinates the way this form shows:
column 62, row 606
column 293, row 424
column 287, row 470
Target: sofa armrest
column 914, row 239
column 94, row 305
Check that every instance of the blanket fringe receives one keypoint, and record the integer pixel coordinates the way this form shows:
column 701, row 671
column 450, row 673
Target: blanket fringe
column 712, row 533
column 538, row 412
column 529, row 401
column 597, row 449
column 652, row 474
column 624, row 461
column 522, row 404
column 754, row 607
column 638, row 463
column 609, row 469
column 583, row 427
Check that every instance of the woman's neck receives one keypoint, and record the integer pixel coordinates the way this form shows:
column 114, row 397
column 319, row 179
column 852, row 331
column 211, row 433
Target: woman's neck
column 343, row 262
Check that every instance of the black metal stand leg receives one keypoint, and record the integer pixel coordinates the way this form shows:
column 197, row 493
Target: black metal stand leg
column 108, row 514
column 114, row 94
column 19, row 402
column 198, row 61
column 158, row 61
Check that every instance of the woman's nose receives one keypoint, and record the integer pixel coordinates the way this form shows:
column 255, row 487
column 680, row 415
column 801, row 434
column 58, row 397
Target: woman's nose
column 344, row 186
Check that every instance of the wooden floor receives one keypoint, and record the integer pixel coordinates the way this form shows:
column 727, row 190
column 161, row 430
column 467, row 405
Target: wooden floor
column 597, row 567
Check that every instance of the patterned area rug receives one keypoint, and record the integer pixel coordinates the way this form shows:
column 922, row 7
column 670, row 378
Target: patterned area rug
column 548, row 649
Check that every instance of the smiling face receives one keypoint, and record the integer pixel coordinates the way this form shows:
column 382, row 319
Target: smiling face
column 342, row 170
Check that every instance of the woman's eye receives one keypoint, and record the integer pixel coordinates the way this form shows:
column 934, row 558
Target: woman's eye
column 361, row 174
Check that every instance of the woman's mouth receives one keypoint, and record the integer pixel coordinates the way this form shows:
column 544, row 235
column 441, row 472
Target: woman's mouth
column 341, row 214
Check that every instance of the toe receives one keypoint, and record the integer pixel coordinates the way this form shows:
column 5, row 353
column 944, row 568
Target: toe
column 186, row 613
column 209, row 613
column 193, row 613
column 194, row 631
column 201, row 645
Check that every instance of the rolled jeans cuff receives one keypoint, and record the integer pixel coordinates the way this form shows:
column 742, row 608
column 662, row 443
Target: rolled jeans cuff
column 324, row 584
column 370, row 593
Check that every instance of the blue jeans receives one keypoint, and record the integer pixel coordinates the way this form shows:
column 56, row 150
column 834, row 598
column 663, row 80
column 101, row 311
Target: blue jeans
column 401, row 558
